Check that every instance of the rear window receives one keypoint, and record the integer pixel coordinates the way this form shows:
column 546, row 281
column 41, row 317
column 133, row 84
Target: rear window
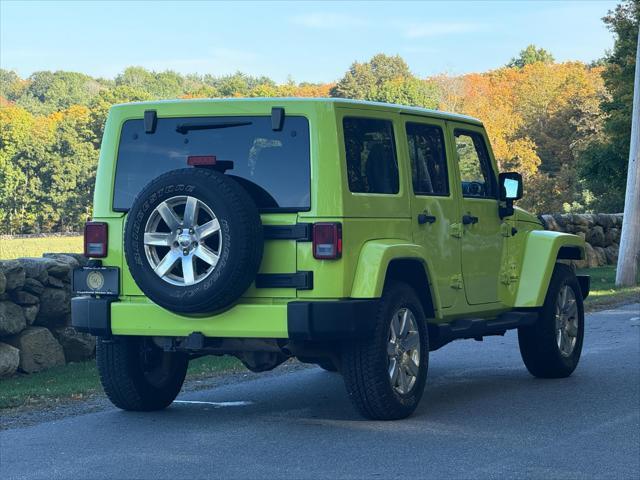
column 273, row 166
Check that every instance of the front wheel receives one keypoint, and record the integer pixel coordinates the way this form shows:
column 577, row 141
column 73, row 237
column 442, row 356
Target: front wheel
column 551, row 348
column 137, row 375
column 386, row 373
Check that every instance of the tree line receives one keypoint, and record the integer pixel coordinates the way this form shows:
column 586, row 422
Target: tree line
column 564, row 126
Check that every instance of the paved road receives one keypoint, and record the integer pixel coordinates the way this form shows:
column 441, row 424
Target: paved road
column 482, row 416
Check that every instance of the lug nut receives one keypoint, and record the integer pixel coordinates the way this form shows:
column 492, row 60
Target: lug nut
column 185, row 251
column 191, row 230
column 179, row 231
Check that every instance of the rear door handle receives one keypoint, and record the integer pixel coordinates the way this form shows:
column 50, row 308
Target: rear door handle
column 469, row 219
column 424, row 218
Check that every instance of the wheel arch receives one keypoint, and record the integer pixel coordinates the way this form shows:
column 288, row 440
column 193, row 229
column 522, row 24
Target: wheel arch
column 384, row 260
column 542, row 251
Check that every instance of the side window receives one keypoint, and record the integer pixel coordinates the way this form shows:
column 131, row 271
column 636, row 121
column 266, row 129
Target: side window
column 428, row 159
column 478, row 180
column 372, row 165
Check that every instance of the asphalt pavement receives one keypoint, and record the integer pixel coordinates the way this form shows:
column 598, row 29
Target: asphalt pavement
column 482, row 416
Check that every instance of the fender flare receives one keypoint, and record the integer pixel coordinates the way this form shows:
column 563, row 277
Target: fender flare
column 373, row 263
column 542, row 249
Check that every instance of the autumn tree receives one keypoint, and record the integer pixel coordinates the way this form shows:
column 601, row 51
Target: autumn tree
column 386, row 79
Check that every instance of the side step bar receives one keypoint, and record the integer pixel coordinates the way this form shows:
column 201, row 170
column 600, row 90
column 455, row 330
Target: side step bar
column 441, row 334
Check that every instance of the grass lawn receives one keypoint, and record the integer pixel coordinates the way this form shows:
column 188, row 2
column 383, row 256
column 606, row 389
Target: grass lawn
column 35, row 246
column 604, row 293
column 77, row 381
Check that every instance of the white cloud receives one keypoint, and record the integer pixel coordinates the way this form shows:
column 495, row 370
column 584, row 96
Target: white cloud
column 327, row 21
column 433, row 29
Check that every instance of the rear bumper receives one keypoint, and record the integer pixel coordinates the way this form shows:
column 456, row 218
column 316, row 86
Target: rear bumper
column 326, row 320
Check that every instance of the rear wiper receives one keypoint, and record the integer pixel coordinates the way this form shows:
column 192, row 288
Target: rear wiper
column 187, row 127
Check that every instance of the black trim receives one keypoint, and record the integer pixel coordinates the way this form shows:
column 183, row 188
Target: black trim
column 479, row 327
column 277, row 118
column 92, row 315
column 298, row 280
column 150, row 121
column 331, row 320
column 300, row 232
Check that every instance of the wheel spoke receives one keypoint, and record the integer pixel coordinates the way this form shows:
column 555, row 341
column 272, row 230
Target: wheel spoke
column 572, row 328
column 402, row 380
column 395, row 327
column 188, row 271
column 412, row 341
column 412, row 368
column 207, row 255
column 208, row 229
column 393, row 371
column 391, row 348
column 190, row 212
column 157, row 239
column 167, row 263
column 168, row 215
column 405, row 324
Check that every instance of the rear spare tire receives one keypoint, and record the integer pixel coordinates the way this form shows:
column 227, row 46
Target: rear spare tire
column 193, row 241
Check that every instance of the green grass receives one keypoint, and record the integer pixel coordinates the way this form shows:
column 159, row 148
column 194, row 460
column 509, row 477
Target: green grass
column 78, row 381
column 15, row 247
column 604, row 293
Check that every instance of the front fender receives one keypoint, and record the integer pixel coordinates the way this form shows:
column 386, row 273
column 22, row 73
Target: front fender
column 373, row 261
column 542, row 248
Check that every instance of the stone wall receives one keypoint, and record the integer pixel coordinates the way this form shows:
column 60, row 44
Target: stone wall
column 600, row 230
column 35, row 315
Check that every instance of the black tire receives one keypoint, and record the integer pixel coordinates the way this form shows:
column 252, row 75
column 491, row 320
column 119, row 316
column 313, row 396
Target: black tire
column 240, row 254
column 365, row 363
column 539, row 346
column 328, row 365
column 137, row 375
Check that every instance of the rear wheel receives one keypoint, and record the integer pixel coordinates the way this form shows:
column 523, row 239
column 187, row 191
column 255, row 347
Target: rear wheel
column 385, row 374
column 137, row 375
column 551, row 348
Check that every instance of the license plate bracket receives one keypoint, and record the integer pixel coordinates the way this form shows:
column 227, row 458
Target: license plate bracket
column 96, row 281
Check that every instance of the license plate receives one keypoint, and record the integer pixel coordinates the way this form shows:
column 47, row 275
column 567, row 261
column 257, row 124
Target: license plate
column 96, row 281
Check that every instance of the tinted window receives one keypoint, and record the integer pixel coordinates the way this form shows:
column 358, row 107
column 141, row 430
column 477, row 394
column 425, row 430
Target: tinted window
column 428, row 159
column 372, row 165
column 273, row 166
column 476, row 173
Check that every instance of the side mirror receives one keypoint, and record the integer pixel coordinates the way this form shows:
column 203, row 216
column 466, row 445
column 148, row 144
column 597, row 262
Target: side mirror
column 511, row 188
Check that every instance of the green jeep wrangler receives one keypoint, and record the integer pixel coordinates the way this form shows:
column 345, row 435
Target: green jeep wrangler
column 357, row 236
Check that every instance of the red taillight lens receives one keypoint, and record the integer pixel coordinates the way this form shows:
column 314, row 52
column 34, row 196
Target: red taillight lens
column 95, row 239
column 198, row 160
column 327, row 241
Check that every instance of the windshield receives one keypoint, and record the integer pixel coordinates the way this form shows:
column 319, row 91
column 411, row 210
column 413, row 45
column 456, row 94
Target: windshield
column 273, row 166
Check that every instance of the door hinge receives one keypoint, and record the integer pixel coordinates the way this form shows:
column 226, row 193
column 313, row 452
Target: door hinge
column 456, row 230
column 456, row 282
column 505, row 229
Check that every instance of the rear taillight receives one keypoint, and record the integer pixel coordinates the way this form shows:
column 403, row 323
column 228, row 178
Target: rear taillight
column 327, row 241
column 95, row 239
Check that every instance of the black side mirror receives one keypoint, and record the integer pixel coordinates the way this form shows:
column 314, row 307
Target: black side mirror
column 511, row 188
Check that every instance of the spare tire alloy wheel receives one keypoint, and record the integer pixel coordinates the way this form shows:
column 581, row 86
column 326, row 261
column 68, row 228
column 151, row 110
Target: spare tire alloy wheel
column 193, row 241
column 183, row 251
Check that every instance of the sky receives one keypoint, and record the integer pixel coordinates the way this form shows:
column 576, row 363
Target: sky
column 305, row 41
